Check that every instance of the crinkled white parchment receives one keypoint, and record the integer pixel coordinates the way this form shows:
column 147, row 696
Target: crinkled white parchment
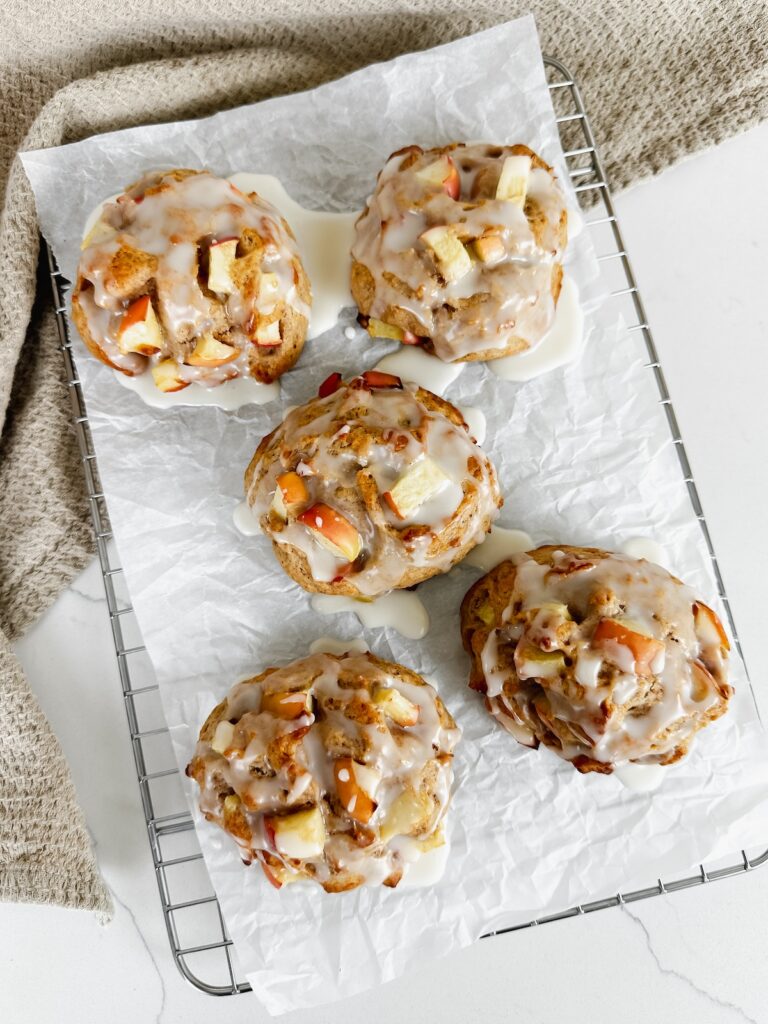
column 584, row 456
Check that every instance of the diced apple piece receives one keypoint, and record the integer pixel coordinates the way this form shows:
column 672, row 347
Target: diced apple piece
column 628, row 633
column 450, row 255
column 166, row 376
column 396, row 706
column 278, row 875
column 708, row 626
column 268, row 335
column 486, row 614
column 513, row 181
column 554, row 608
column 290, row 491
column 330, row 385
column 380, row 329
column 140, row 329
column 489, row 248
column 271, row 875
column 234, row 818
column 332, row 531
column 379, row 379
column 287, row 704
column 421, row 481
column 221, row 259
column 269, row 286
column 408, row 813
column 442, row 173
column 100, row 232
column 356, row 785
column 533, row 663
column 300, row 835
column 222, row 737
column 433, row 842
column 703, row 683
column 209, row 351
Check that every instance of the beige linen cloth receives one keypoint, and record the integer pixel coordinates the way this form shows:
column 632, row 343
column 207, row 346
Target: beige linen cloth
column 662, row 78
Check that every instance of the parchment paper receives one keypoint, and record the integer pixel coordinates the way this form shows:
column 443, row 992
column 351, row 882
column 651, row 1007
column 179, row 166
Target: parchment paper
column 584, row 456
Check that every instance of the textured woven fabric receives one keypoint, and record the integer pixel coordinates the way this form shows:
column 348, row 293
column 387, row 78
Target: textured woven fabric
column 662, row 78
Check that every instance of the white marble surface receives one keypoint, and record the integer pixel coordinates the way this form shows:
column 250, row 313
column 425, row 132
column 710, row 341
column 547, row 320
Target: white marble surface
column 698, row 242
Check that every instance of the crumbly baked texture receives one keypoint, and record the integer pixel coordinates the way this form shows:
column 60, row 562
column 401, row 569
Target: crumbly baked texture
column 602, row 657
column 459, row 250
column 383, row 487
column 228, row 294
column 336, row 769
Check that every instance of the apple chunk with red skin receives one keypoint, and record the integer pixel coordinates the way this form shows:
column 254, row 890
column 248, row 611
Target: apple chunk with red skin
column 381, row 329
column 211, row 352
column 356, row 785
column 290, row 492
column 420, row 482
column 140, row 330
column 166, row 376
column 268, row 335
column 221, row 259
column 644, row 648
column 708, row 626
column 330, row 385
column 332, row 531
column 442, row 173
column 300, row 836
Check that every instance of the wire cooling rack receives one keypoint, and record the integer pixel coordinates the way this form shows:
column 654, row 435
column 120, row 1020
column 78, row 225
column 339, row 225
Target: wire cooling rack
column 200, row 943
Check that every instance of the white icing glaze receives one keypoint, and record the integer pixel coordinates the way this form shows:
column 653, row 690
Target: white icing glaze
column 490, row 303
column 267, row 788
column 400, row 610
column 427, row 868
column 476, row 421
column 324, row 240
column 556, row 667
column 333, row 645
column 559, row 346
column 645, row 547
column 412, row 363
column 499, row 545
column 245, row 521
column 230, row 396
column 642, row 778
column 362, row 440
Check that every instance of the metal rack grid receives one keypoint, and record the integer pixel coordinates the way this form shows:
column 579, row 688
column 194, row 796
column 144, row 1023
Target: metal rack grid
column 200, row 943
